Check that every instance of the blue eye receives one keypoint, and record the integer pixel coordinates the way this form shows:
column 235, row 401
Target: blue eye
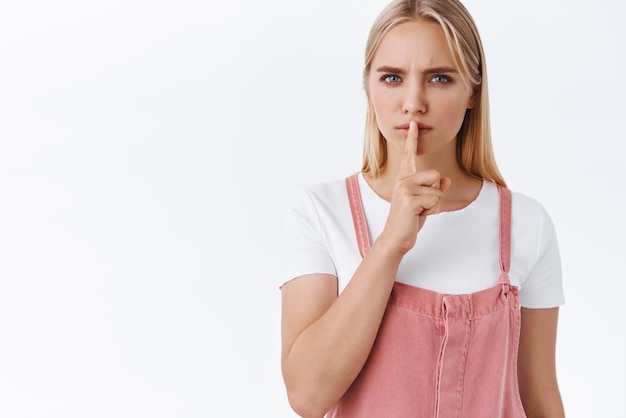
column 392, row 79
column 441, row 79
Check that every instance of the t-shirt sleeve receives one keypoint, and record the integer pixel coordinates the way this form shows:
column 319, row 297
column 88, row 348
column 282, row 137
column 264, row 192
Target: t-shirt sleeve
column 544, row 286
column 304, row 249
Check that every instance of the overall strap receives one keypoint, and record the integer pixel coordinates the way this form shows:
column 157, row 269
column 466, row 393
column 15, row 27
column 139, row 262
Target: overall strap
column 505, row 234
column 358, row 214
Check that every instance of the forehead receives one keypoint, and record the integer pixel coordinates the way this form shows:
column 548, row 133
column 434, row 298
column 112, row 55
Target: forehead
column 418, row 44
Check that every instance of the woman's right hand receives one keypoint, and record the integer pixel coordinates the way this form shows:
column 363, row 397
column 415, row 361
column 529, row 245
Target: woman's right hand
column 416, row 195
column 327, row 336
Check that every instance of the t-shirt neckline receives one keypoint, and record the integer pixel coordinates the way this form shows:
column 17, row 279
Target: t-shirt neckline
column 373, row 196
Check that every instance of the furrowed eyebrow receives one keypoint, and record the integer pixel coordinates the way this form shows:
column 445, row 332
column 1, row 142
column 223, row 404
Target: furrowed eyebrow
column 441, row 70
column 396, row 70
column 387, row 69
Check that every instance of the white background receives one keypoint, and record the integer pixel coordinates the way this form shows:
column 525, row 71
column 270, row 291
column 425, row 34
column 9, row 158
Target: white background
column 148, row 153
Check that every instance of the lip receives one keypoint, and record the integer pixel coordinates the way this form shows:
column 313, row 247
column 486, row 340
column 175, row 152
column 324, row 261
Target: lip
column 422, row 127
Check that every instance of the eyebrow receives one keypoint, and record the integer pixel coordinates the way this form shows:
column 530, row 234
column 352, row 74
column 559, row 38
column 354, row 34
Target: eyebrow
column 396, row 70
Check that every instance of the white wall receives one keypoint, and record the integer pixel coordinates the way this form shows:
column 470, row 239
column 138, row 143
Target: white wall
column 148, row 151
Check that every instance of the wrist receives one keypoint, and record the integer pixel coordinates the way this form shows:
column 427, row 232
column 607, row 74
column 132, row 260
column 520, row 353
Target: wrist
column 388, row 248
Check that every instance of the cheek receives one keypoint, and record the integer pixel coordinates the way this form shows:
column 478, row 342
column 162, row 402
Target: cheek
column 454, row 107
column 381, row 99
column 377, row 100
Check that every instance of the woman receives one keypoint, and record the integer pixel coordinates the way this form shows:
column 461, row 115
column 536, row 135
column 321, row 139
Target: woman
column 422, row 286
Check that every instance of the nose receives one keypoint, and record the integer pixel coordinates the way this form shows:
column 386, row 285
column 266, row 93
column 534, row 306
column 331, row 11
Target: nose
column 414, row 100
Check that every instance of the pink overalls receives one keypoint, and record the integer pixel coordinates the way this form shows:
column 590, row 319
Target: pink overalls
column 437, row 355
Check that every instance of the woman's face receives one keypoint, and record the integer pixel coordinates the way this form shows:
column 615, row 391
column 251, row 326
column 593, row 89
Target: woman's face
column 413, row 77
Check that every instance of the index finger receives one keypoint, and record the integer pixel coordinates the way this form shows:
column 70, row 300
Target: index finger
column 408, row 164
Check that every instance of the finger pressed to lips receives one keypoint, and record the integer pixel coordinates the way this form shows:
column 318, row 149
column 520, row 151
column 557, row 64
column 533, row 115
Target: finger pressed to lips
column 404, row 127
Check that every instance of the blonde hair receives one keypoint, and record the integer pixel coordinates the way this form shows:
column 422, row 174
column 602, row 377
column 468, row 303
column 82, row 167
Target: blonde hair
column 474, row 150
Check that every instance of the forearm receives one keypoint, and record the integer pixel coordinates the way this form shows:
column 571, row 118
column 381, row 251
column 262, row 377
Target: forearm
column 326, row 357
column 543, row 402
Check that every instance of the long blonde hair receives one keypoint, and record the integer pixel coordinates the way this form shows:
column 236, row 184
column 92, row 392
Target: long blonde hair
column 474, row 150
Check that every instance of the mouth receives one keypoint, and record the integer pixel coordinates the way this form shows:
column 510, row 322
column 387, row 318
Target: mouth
column 422, row 128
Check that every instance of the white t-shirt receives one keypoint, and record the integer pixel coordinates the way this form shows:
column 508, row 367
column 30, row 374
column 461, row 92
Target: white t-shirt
column 455, row 252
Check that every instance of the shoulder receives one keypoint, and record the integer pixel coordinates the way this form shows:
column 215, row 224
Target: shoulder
column 533, row 230
column 314, row 226
column 529, row 217
column 523, row 207
column 321, row 195
column 528, row 211
column 526, row 204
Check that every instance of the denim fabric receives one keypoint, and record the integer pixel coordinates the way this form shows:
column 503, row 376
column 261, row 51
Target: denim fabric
column 442, row 356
